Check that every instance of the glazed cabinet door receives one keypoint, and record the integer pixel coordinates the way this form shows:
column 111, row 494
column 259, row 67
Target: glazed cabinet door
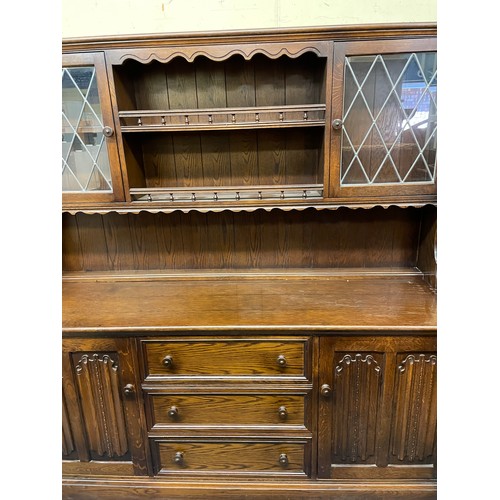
column 384, row 119
column 377, row 408
column 90, row 164
column 102, row 415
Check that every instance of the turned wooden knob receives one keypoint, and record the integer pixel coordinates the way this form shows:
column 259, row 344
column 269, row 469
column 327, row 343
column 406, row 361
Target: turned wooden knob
column 128, row 390
column 107, row 131
column 179, row 458
column 282, row 412
column 326, row 390
column 281, row 360
column 283, row 460
column 168, row 361
column 337, row 124
column 173, row 412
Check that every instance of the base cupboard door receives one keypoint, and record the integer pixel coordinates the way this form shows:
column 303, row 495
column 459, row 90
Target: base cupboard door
column 102, row 416
column 377, row 407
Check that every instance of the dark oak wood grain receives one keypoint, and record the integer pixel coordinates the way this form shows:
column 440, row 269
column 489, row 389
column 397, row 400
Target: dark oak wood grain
column 227, row 410
column 427, row 252
column 226, row 457
column 158, row 489
column 306, row 239
column 105, row 419
column 366, row 31
column 382, row 407
column 225, row 358
column 376, row 303
column 232, row 327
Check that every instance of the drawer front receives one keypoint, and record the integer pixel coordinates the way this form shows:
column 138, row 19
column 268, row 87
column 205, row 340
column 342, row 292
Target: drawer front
column 217, row 410
column 230, row 458
column 171, row 359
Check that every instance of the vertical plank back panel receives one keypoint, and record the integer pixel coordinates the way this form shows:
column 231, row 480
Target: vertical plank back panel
column 181, row 84
column 259, row 240
column 269, row 81
column 151, row 87
column 303, row 80
column 240, row 82
column 210, row 83
column 243, row 158
column 216, row 159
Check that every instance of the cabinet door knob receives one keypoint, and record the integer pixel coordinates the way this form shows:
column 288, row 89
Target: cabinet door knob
column 282, row 412
column 281, row 360
column 173, row 412
column 283, row 460
column 337, row 124
column 128, row 390
column 168, row 361
column 326, row 390
column 107, row 131
column 179, row 458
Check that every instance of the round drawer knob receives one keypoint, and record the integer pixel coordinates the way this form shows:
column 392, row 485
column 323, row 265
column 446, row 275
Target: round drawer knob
column 179, row 458
column 283, row 460
column 168, row 361
column 173, row 412
column 128, row 390
column 282, row 412
column 281, row 360
column 326, row 390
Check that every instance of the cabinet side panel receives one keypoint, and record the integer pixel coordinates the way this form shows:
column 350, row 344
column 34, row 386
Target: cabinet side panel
column 427, row 260
column 72, row 253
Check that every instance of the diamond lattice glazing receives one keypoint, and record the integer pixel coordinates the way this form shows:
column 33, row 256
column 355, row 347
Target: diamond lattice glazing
column 85, row 163
column 389, row 132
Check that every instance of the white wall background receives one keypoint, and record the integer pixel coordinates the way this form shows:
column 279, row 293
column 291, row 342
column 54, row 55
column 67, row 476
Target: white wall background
column 112, row 17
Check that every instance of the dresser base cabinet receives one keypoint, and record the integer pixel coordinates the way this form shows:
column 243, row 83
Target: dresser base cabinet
column 319, row 416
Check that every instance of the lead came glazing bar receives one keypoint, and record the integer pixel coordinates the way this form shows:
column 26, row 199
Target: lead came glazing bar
column 390, row 136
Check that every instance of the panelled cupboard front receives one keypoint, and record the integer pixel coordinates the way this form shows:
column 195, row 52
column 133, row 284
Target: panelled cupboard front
column 249, row 271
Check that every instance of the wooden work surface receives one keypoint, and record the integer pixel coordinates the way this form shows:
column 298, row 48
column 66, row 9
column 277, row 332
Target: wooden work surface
column 343, row 302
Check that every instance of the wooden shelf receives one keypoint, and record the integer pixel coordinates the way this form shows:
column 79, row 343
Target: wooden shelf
column 227, row 193
column 246, row 206
column 223, row 118
column 344, row 300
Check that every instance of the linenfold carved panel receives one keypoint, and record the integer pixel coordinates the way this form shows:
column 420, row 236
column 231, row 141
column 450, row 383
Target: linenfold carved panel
column 357, row 401
column 67, row 436
column 414, row 416
column 103, row 414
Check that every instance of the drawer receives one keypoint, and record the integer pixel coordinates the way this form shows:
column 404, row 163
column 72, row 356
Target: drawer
column 216, row 410
column 174, row 359
column 226, row 457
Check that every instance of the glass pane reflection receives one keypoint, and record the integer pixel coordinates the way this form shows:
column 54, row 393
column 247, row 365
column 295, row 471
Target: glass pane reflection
column 85, row 162
column 389, row 133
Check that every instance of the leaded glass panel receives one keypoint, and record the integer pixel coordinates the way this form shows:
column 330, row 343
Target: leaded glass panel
column 389, row 126
column 85, row 162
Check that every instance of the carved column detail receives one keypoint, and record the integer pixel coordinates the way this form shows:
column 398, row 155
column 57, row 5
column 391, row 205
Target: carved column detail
column 98, row 384
column 414, row 417
column 68, row 445
column 357, row 383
